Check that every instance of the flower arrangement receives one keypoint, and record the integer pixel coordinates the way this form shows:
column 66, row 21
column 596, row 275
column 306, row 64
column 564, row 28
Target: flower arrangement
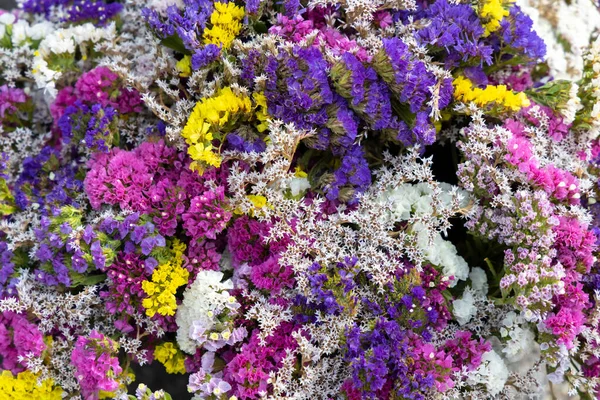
column 300, row 199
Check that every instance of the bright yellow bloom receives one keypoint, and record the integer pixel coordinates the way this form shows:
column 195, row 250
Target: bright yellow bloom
column 492, row 11
column 211, row 116
column 299, row 173
column 261, row 111
column 25, row 386
column 257, row 201
column 499, row 95
column 226, row 22
column 184, row 66
column 171, row 357
column 166, row 278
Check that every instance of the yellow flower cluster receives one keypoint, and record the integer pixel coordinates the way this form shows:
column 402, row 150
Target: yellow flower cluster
column 226, row 24
column 261, row 111
column 210, row 115
column 25, row 386
column 184, row 66
column 166, row 278
column 171, row 357
column 493, row 11
column 465, row 91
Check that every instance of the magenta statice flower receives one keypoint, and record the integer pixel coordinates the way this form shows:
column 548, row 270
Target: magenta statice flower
column 272, row 276
column 206, row 216
column 10, row 99
column 95, row 86
column 119, row 177
column 18, row 338
column 248, row 371
column 66, row 97
column 96, row 364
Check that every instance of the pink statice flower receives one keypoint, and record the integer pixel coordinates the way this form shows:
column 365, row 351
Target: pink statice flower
column 65, row 97
column 206, row 217
column 566, row 325
column 18, row 338
column 96, row 364
column 272, row 276
column 10, row 99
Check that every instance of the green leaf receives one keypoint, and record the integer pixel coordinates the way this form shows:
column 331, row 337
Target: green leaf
column 260, row 27
column 86, row 280
column 174, row 42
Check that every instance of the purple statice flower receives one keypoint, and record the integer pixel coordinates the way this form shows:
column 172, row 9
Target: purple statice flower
column 205, row 55
column 517, row 32
column 10, row 99
column 7, row 269
column 237, row 142
column 343, row 124
column 97, row 11
column 46, row 183
column 455, row 30
column 466, row 351
column 92, row 126
column 324, row 297
column 206, row 216
column 296, row 29
column 187, row 24
column 18, row 338
column 252, row 6
column 368, row 96
column 298, row 90
column 123, row 294
column 201, row 255
column 124, row 177
column 476, row 75
column 101, row 86
column 411, row 79
column 96, row 364
column 352, row 177
column 245, row 241
column 250, row 67
column 66, row 97
column 291, row 7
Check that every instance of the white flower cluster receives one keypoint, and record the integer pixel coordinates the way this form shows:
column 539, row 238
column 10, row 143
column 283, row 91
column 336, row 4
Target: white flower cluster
column 492, row 373
column 410, row 201
column 520, row 339
column 20, row 31
column 203, row 300
column 63, row 43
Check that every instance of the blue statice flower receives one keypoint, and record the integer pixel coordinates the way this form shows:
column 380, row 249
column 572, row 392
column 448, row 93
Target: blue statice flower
column 63, row 256
column 237, row 142
column 187, row 25
column 46, row 184
column 353, row 175
column 205, row 55
column 517, row 32
column 455, row 30
column 298, row 90
column 7, row 269
column 92, row 126
column 75, row 10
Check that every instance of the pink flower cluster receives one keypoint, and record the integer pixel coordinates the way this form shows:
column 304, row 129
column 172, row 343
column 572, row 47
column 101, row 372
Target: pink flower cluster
column 18, row 338
column 96, row 364
column 248, row 372
column 558, row 183
column 98, row 86
column 10, row 99
column 297, row 29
